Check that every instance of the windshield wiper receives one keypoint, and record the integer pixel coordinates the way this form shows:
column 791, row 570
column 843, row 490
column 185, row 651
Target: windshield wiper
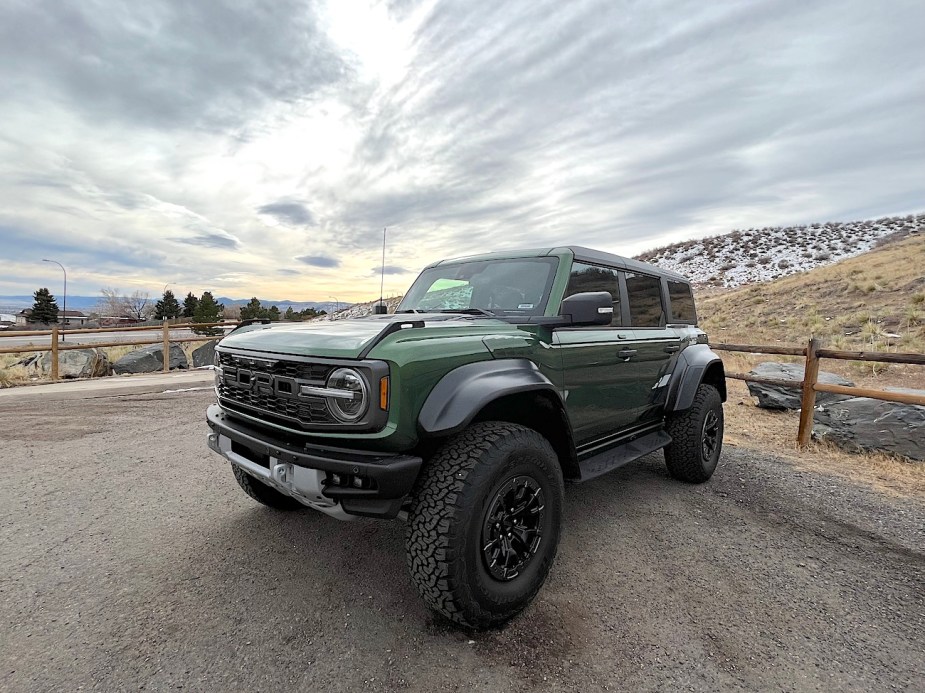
column 408, row 310
column 469, row 311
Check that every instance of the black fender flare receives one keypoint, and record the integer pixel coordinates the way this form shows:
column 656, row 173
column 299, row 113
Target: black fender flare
column 694, row 364
column 464, row 391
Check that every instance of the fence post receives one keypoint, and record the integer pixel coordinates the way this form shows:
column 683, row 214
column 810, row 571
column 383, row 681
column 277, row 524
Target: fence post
column 808, row 404
column 54, row 353
column 166, row 347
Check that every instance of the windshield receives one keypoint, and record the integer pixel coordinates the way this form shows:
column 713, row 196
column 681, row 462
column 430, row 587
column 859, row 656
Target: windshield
column 497, row 287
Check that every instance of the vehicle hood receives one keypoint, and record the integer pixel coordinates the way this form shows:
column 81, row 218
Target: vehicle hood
column 349, row 338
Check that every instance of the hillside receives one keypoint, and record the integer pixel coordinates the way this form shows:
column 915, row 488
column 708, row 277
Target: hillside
column 874, row 300
column 757, row 255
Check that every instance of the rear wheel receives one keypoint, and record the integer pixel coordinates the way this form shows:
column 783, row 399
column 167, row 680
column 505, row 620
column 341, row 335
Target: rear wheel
column 484, row 523
column 262, row 493
column 696, row 437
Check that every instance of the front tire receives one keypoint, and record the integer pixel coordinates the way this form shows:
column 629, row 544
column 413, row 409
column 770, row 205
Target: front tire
column 696, row 437
column 484, row 523
column 262, row 493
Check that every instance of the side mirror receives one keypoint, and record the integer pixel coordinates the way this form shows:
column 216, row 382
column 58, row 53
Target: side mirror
column 588, row 308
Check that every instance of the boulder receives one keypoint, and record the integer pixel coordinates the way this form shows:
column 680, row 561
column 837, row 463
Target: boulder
column 150, row 359
column 204, row 355
column 862, row 423
column 80, row 363
column 779, row 397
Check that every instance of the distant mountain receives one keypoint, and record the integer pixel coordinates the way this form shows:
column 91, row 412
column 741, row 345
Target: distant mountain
column 328, row 306
column 757, row 255
column 14, row 304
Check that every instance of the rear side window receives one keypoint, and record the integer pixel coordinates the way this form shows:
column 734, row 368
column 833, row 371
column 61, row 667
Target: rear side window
column 593, row 278
column 682, row 303
column 645, row 299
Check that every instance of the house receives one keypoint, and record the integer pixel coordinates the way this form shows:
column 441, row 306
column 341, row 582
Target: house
column 7, row 321
column 66, row 318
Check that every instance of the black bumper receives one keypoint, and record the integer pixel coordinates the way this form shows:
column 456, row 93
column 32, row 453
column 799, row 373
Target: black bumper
column 393, row 476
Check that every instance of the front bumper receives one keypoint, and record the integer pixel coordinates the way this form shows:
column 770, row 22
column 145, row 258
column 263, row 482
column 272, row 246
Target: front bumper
column 304, row 471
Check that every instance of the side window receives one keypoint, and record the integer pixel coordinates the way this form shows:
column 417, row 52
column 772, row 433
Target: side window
column 592, row 278
column 645, row 300
column 682, row 303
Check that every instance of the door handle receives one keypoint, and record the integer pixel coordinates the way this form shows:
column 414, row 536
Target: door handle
column 626, row 353
column 672, row 349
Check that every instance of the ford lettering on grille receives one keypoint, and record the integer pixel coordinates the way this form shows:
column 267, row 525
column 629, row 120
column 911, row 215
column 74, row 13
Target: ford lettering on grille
column 272, row 387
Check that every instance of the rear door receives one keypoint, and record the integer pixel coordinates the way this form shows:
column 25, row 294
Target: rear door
column 654, row 345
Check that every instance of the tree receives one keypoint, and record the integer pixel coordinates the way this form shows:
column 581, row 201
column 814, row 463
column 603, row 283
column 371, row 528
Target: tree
column 253, row 310
column 45, row 309
column 273, row 314
column 168, row 307
column 136, row 306
column 290, row 314
column 189, row 305
column 207, row 310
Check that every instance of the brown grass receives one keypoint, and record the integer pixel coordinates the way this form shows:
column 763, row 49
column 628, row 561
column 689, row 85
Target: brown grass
column 747, row 426
column 852, row 304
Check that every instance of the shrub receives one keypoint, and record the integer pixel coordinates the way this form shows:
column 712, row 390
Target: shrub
column 783, row 264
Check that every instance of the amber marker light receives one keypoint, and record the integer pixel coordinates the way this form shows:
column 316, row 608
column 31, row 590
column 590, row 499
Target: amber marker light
column 384, row 393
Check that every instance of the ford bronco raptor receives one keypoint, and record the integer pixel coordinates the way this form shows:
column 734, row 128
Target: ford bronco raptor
column 498, row 378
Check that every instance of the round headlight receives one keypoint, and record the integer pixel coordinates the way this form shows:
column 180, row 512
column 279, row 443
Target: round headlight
column 352, row 399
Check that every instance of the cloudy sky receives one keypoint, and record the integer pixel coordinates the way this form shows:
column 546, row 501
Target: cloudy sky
column 259, row 148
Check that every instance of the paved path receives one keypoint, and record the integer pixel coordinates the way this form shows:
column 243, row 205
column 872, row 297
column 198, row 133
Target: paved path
column 108, row 387
column 132, row 560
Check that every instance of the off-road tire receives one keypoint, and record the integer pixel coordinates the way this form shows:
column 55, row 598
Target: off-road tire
column 687, row 457
column 262, row 493
column 451, row 501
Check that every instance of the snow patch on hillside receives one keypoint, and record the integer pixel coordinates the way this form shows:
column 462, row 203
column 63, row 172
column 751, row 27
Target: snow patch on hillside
column 759, row 255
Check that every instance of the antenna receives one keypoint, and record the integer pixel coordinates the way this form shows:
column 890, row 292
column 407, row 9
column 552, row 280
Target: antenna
column 380, row 307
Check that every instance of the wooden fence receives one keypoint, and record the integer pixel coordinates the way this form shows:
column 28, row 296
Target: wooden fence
column 812, row 354
column 55, row 347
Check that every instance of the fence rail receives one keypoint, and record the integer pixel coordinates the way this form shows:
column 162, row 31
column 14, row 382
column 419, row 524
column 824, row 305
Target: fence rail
column 810, row 385
column 55, row 347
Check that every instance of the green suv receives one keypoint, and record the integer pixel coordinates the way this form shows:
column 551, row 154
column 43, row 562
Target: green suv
column 499, row 378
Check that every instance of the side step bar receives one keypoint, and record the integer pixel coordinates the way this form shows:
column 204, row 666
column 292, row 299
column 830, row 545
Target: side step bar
column 617, row 456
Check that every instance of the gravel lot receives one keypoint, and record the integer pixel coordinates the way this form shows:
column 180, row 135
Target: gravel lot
column 131, row 560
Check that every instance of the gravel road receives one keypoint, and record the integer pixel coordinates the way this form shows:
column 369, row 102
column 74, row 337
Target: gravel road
column 131, row 560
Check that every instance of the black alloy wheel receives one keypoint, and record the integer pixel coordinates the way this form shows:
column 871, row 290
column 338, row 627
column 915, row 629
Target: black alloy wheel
column 513, row 528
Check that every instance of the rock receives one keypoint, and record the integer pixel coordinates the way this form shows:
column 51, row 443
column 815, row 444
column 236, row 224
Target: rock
column 150, row 359
column 779, row 397
column 80, row 363
column 862, row 423
column 204, row 355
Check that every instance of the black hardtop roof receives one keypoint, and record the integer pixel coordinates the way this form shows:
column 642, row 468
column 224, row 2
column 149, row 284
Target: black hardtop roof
column 581, row 254
column 598, row 257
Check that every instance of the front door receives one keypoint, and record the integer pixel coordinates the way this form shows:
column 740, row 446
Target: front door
column 599, row 380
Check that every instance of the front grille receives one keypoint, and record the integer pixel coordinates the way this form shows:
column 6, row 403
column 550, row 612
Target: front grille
column 269, row 389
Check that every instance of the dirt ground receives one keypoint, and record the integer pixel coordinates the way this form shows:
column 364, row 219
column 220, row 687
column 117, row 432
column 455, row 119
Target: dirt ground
column 131, row 560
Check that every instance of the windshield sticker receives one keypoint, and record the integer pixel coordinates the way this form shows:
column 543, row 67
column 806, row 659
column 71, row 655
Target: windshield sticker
column 525, row 306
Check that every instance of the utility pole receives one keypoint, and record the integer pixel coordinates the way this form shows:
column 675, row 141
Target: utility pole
column 64, row 302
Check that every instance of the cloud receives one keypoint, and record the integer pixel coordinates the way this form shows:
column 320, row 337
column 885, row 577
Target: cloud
column 135, row 137
column 169, row 64
column 289, row 212
column 389, row 269
column 212, row 240
column 319, row 260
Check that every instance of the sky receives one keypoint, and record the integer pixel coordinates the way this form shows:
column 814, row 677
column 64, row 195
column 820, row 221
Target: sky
column 260, row 148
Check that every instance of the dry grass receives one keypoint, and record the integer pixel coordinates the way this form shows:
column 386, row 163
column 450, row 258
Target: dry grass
column 854, row 304
column 748, row 426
